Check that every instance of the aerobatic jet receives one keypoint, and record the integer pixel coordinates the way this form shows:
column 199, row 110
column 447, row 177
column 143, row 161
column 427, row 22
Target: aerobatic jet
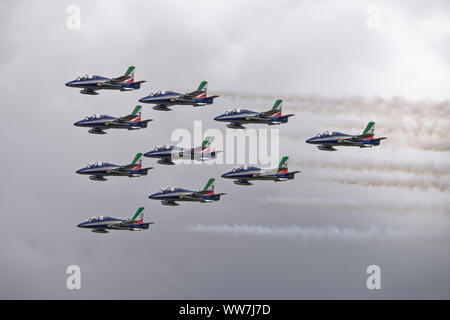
column 327, row 141
column 98, row 171
column 243, row 175
column 167, row 154
column 90, row 85
column 237, row 117
column 101, row 224
column 169, row 98
column 169, row 196
column 98, row 124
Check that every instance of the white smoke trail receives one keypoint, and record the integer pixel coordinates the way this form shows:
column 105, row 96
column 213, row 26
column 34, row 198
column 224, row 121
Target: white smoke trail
column 368, row 165
column 303, row 233
column 411, row 183
column 400, row 206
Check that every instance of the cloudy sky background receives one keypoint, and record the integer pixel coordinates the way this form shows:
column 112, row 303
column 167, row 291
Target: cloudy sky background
column 312, row 237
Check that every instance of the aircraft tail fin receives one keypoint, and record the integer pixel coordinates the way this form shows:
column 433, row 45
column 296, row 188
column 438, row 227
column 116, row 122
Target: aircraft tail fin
column 129, row 74
column 207, row 142
column 277, row 105
column 203, row 86
column 137, row 112
column 201, row 90
column 137, row 161
column 370, row 129
column 276, row 109
column 209, row 187
column 283, row 166
column 139, row 216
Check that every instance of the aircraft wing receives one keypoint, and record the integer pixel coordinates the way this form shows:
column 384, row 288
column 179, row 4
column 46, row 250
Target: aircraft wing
column 128, row 118
column 268, row 114
column 120, row 79
column 363, row 136
column 126, row 223
column 123, row 169
column 191, row 95
column 353, row 141
column 194, row 195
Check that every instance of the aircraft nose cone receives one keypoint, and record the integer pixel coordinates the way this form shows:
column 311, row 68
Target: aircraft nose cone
column 152, row 196
column 69, row 84
column 225, row 175
column 143, row 99
column 77, row 124
column 218, row 118
column 80, row 225
column 79, row 171
column 148, row 154
column 309, row 140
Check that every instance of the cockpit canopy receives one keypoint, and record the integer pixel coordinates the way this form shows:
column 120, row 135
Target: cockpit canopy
column 167, row 189
column 86, row 77
column 94, row 116
column 96, row 164
column 163, row 147
column 97, row 218
column 326, row 134
column 233, row 111
column 237, row 110
column 158, row 93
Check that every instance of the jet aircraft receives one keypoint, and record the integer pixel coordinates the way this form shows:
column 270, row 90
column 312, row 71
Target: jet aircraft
column 169, row 98
column 101, row 224
column 98, row 124
column 98, row 171
column 327, row 141
column 237, row 117
column 169, row 196
column 90, row 85
column 167, row 154
column 243, row 175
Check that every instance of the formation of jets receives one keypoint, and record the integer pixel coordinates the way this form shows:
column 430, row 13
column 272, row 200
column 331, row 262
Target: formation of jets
column 166, row 155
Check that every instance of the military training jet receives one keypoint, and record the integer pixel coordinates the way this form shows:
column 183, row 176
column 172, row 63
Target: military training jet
column 98, row 171
column 101, row 224
column 327, row 141
column 169, row 196
column 167, row 154
column 169, row 98
column 237, row 117
column 243, row 175
column 90, row 85
column 98, row 124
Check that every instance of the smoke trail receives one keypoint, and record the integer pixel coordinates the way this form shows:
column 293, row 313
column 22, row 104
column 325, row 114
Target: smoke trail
column 399, row 206
column 303, row 233
column 420, row 168
column 411, row 183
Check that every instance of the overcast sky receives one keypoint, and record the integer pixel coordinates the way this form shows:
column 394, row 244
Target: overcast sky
column 336, row 64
